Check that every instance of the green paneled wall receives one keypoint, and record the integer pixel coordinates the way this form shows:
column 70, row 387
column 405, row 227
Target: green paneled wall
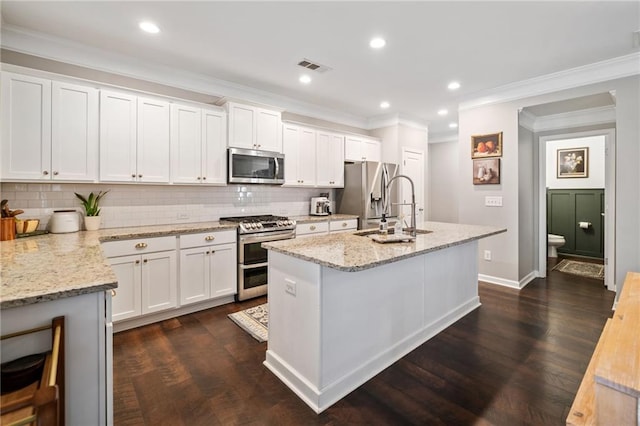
column 566, row 208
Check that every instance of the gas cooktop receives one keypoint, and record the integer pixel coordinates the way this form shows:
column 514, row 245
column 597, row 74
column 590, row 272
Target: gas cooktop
column 261, row 223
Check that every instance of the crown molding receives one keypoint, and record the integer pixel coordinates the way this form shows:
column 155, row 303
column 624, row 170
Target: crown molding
column 444, row 137
column 587, row 117
column 64, row 50
column 526, row 119
column 611, row 69
column 389, row 120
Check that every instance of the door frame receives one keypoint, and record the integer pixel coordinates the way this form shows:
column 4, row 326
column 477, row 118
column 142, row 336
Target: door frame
column 610, row 200
column 421, row 152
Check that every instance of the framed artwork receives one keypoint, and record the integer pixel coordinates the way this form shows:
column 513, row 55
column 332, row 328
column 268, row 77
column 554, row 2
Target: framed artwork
column 486, row 171
column 483, row 146
column 573, row 163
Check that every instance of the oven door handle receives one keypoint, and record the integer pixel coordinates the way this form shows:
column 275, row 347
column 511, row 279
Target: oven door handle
column 253, row 266
column 265, row 238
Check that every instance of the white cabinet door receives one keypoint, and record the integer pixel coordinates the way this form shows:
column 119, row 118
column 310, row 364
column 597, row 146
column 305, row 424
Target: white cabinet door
column 214, row 147
column 268, row 130
column 127, row 301
column 153, row 141
column 307, row 157
column 353, row 149
column 290, row 143
column 159, row 281
column 117, row 137
column 186, row 144
column 330, row 160
column 372, row 150
column 74, row 132
column 242, row 127
column 194, row 275
column 223, row 272
column 26, row 127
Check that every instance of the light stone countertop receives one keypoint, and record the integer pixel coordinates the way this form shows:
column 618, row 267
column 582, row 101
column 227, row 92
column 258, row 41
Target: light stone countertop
column 54, row 266
column 330, row 218
column 351, row 253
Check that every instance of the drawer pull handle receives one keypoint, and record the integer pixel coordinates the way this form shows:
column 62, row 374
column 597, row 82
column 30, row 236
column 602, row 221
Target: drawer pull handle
column 344, row 224
column 113, row 293
column 209, row 238
column 141, row 245
column 312, row 227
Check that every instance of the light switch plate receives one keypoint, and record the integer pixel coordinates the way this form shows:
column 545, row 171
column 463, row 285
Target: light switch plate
column 495, row 201
column 290, row 287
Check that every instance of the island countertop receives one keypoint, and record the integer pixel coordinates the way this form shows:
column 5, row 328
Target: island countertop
column 54, row 266
column 350, row 252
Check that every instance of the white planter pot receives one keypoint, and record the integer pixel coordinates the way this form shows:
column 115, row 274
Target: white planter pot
column 92, row 223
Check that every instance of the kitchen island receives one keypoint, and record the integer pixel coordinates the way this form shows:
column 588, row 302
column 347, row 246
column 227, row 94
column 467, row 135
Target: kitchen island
column 342, row 308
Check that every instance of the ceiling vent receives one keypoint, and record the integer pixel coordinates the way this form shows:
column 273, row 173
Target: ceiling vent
column 313, row 66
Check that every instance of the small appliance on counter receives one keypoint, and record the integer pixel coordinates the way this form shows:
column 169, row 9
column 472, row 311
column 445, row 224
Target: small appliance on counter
column 320, row 206
column 64, row 221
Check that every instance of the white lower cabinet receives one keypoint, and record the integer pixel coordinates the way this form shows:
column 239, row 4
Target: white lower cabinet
column 313, row 229
column 207, row 266
column 147, row 280
column 343, row 225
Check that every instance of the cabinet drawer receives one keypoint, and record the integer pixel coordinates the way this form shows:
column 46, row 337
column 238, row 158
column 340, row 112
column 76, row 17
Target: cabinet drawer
column 343, row 225
column 312, row 228
column 207, row 239
column 138, row 245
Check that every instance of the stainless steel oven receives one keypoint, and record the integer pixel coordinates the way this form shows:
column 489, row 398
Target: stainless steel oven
column 253, row 267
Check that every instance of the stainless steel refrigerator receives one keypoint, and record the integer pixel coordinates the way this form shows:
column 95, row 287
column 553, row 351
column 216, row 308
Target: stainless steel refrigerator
column 365, row 193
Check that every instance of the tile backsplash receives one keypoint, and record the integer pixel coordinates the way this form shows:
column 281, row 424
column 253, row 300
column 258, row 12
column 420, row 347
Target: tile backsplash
column 139, row 205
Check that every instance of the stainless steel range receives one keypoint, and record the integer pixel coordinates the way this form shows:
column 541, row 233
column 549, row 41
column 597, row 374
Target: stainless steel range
column 252, row 258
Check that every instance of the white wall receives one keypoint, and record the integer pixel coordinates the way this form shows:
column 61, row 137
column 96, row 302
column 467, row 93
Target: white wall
column 527, row 203
column 442, row 204
column 504, row 117
column 595, row 166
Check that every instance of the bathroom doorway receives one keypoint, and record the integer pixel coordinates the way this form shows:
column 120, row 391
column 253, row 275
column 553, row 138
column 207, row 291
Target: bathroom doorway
column 574, row 168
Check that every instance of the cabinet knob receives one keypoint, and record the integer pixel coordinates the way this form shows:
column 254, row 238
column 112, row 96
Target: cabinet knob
column 141, row 245
column 45, row 172
column 137, row 262
column 207, row 252
column 312, row 227
column 144, row 261
column 204, row 178
column 344, row 224
column 140, row 176
column 113, row 293
column 55, row 173
column 198, row 178
column 209, row 238
column 133, row 175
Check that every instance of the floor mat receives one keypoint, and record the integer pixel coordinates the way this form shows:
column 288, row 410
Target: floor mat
column 254, row 321
column 584, row 269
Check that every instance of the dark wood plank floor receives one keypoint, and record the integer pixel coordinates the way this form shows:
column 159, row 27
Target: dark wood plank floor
column 516, row 360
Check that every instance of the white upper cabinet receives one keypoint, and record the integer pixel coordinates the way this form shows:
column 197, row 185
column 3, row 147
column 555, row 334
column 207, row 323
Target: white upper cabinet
column 134, row 138
column 299, row 145
column 49, row 129
column 358, row 148
column 253, row 127
column 198, row 145
column 330, row 155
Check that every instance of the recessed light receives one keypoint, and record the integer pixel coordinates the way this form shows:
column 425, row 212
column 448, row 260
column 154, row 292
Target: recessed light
column 384, row 105
column 453, row 125
column 443, row 112
column 305, row 79
column 453, row 85
column 377, row 43
column 149, row 27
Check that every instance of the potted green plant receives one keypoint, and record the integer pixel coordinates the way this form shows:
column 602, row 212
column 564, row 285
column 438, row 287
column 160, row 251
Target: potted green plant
column 91, row 206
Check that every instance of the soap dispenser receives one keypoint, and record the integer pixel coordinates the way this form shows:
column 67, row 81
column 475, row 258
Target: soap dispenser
column 383, row 224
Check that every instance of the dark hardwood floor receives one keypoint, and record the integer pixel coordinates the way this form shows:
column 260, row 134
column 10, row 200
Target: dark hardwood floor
column 516, row 360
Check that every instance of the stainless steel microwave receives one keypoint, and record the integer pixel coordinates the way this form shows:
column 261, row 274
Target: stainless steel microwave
column 252, row 166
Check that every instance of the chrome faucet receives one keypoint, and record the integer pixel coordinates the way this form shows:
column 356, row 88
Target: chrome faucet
column 412, row 228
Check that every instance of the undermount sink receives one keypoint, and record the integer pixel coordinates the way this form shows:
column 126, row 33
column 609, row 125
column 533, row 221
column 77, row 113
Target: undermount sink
column 366, row 232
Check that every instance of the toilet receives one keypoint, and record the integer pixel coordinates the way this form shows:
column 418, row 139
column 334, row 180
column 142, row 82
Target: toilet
column 554, row 241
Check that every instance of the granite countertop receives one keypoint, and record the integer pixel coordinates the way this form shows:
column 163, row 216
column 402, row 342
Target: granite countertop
column 330, row 218
column 54, row 266
column 350, row 252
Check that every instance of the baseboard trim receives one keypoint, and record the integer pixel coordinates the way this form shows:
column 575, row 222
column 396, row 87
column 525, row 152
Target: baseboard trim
column 518, row 285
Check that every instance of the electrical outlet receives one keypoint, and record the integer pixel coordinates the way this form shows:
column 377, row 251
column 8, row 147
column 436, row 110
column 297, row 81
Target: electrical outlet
column 290, row 287
column 487, row 255
column 493, row 201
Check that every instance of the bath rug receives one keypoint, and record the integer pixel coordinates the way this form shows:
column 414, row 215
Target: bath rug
column 254, row 321
column 583, row 269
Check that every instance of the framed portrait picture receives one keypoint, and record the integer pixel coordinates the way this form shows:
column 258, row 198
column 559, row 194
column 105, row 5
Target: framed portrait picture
column 483, row 146
column 486, row 171
column 573, row 163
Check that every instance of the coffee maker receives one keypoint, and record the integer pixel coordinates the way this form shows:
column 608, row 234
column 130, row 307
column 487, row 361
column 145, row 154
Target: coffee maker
column 320, row 206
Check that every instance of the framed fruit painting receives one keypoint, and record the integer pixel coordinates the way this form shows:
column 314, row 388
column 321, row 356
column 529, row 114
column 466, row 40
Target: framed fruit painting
column 483, row 146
